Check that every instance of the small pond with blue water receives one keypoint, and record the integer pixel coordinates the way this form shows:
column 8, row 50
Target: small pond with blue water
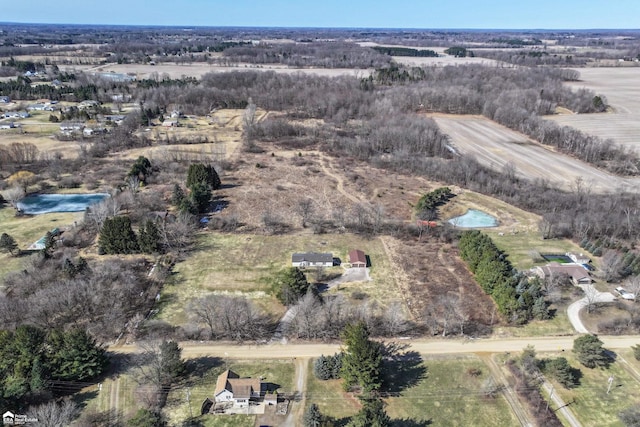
column 474, row 219
column 47, row 203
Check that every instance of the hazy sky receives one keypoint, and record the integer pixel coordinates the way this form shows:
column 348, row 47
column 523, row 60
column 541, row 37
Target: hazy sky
column 519, row 14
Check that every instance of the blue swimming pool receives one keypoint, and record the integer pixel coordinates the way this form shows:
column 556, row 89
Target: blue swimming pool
column 474, row 219
column 47, row 203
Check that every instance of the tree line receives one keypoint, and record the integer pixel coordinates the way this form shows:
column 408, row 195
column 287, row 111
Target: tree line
column 517, row 298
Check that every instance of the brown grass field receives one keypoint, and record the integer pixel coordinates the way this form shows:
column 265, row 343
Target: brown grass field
column 497, row 146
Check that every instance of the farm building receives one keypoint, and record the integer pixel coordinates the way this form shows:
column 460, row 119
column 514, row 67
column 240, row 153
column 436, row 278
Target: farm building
column 578, row 274
column 357, row 258
column 231, row 388
column 312, row 259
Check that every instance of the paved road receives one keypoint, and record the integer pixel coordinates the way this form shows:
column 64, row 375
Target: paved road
column 193, row 350
column 573, row 311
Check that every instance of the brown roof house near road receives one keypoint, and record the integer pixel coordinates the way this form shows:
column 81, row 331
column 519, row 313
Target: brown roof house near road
column 231, row 388
column 357, row 258
column 578, row 274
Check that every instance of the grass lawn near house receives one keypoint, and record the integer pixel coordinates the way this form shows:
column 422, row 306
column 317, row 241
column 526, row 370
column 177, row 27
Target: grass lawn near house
column 202, row 383
column 590, row 403
column 446, row 395
column 243, row 264
column 116, row 394
column 26, row 230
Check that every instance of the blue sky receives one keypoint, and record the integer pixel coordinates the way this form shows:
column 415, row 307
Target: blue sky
column 507, row 14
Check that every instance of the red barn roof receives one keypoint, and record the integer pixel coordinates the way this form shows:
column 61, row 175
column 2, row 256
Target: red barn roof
column 357, row 258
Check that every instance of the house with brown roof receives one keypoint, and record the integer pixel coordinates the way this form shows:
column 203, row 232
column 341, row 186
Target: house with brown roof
column 578, row 274
column 233, row 389
column 357, row 258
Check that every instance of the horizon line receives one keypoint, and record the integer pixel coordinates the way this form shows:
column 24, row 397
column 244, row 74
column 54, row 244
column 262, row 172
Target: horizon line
column 275, row 27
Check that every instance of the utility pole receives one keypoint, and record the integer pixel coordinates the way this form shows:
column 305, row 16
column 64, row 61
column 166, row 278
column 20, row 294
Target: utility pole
column 550, row 397
column 610, row 381
column 189, row 402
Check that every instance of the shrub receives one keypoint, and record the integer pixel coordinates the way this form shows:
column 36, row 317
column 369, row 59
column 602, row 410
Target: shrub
column 328, row 367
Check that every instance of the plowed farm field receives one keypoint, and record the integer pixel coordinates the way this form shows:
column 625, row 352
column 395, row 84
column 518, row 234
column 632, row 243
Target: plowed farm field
column 497, row 146
column 621, row 88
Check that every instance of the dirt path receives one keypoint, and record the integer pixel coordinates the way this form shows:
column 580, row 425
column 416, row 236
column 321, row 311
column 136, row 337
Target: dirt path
column 114, row 399
column 509, row 394
column 400, row 276
column 328, row 170
column 561, row 406
column 297, row 408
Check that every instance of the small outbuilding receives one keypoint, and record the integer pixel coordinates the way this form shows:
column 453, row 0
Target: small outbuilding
column 357, row 258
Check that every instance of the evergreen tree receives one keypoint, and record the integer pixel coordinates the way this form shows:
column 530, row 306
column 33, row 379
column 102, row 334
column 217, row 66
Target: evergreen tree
column 561, row 370
column 199, row 172
column 290, row 285
column 361, row 359
column 171, row 363
column 74, row 355
column 141, row 169
column 149, row 238
column 312, row 416
column 589, row 351
column 8, row 244
column 38, row 376
column 372, row 414
column 117, row 236
column 200, row 196
column 177, row 196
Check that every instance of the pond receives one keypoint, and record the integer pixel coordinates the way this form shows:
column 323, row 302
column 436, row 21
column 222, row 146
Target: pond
column 47, row 203
column 474, row 219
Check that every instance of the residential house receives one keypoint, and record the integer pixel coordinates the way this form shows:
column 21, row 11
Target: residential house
column 578, row 258
column 312, row 259
column 357, row 258
column 10, row 125
column 239, row 391
column 578, row 274
column 170, row 123
column 16, row 115
column 71, row 127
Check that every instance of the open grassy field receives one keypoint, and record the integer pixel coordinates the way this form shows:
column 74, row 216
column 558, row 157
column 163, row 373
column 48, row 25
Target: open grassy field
column 202, row 383
column 198, row 69
column 590, row 402
column 497, row 146
column 445, row 395
column 234, row 263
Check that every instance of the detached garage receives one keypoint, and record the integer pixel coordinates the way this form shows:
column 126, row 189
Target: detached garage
column 357, row 258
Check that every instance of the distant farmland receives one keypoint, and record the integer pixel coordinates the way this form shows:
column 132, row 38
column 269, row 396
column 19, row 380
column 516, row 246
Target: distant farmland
column 497, row 146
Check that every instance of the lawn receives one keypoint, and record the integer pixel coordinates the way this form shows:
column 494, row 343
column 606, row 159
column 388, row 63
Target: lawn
column 27, row 229
column 242, row 264
column 117, row 393
column 559, row 325
column 590, row 402
column 202, row 383
column 445, row 394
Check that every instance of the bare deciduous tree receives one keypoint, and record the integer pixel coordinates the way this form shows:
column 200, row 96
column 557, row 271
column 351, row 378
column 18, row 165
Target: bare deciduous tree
column 53, row 414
